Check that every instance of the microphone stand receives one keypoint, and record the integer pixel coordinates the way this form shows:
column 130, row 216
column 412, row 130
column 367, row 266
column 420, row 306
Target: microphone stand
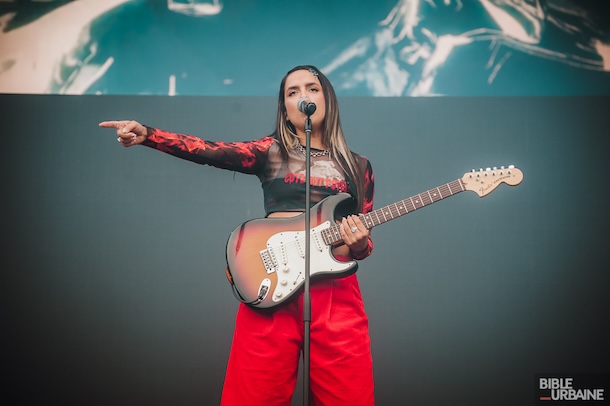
column 306, row 291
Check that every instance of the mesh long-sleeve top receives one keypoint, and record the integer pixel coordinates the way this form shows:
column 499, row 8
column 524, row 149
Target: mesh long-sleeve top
column 283, row 181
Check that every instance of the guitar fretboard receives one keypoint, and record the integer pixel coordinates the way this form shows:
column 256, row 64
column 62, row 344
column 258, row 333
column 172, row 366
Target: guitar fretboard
column 332, row 235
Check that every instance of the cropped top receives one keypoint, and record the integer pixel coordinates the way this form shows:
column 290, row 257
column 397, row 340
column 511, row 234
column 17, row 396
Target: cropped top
column 283, row 181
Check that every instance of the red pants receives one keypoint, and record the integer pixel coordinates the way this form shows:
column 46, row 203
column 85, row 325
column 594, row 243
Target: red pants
column 267, row 343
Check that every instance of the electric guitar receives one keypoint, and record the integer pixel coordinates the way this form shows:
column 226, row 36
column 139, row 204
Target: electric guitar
column 266, row 257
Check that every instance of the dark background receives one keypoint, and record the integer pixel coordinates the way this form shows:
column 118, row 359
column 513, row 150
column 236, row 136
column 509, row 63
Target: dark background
column 113, row 286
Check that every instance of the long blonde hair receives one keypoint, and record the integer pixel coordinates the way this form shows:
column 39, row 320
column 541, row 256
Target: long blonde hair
column 332, row 134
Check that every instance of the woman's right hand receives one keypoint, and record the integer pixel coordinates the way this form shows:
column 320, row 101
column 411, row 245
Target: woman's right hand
column 129, row 132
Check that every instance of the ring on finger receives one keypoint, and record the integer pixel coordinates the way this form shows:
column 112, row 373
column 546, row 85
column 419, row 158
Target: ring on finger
column 354, row 229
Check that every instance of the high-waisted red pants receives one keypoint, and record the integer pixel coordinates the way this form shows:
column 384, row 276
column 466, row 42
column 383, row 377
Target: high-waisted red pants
column 266, row 347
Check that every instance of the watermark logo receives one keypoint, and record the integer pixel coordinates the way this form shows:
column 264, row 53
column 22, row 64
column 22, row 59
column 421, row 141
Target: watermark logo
column 573, row 389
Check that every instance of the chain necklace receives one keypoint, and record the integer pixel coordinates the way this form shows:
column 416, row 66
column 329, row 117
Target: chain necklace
column 313, row 154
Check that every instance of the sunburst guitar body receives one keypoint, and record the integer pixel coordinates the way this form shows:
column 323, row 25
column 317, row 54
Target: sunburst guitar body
column 266, row 258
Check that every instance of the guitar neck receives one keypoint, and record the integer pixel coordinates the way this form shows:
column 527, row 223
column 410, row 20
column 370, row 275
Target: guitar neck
column 332, row 235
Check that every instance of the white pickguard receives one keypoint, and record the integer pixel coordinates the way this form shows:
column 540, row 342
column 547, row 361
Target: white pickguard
column 287, row 252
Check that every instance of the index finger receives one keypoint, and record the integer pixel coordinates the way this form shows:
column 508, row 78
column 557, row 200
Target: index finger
column 109, row 124
column 356, row 218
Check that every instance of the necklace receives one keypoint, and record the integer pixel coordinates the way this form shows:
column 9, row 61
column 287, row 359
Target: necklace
column 313, row 154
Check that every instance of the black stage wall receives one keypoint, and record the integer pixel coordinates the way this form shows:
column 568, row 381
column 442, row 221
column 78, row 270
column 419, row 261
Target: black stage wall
column 113, row 286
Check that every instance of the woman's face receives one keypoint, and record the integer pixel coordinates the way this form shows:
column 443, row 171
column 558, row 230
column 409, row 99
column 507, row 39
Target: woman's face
column 300, row 84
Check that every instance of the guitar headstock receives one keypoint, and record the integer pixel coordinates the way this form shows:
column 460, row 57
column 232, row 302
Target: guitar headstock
column 485, row 181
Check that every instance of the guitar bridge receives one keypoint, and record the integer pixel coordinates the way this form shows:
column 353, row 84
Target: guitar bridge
column 269, row 261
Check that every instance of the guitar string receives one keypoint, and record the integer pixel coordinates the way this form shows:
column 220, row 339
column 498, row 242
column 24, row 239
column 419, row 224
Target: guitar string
column 393, row 210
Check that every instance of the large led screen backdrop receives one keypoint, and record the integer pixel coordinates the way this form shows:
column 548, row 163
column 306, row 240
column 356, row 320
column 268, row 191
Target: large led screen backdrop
column 367, row 48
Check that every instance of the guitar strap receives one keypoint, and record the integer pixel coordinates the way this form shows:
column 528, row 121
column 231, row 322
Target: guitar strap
column 229, row 276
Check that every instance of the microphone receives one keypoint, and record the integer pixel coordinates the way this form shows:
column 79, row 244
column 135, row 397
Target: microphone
column 306, row 106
